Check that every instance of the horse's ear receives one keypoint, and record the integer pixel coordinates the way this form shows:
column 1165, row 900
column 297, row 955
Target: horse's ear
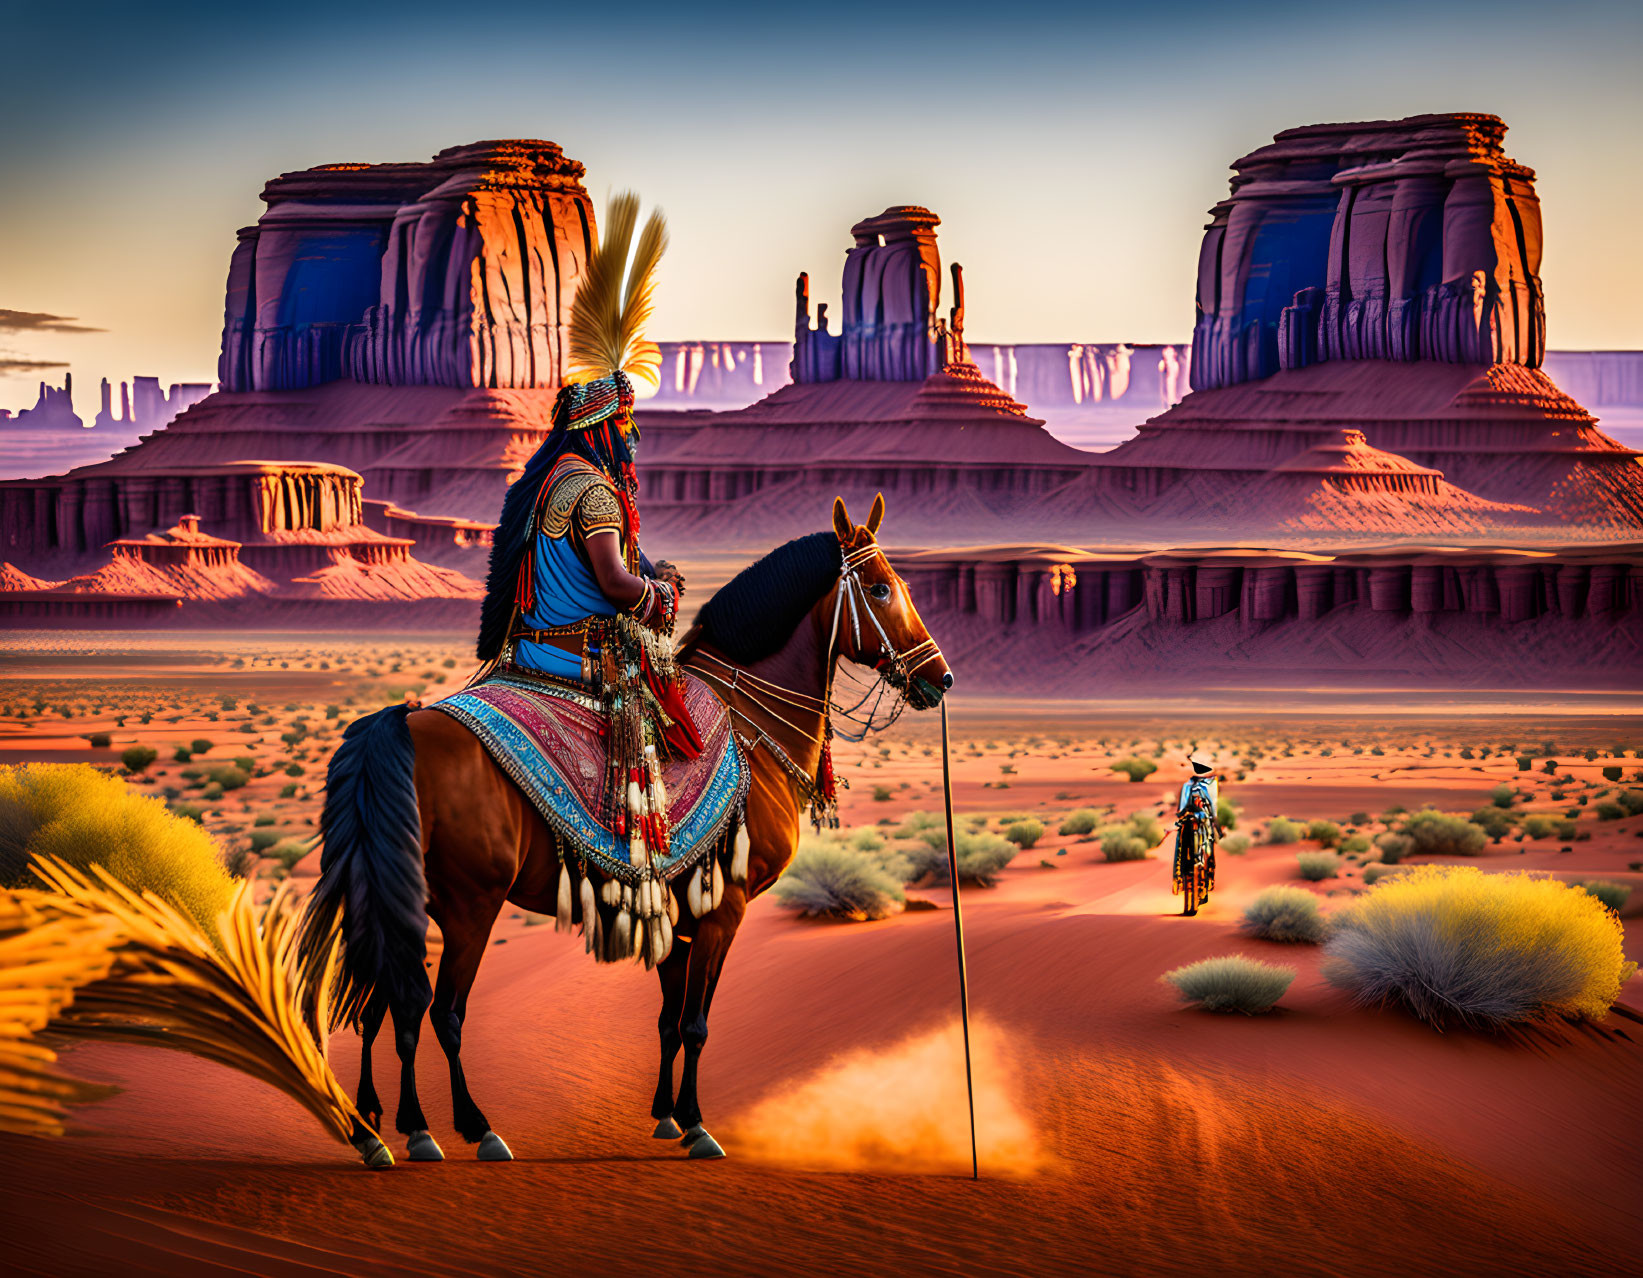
column 875, row 517
column 841, row 522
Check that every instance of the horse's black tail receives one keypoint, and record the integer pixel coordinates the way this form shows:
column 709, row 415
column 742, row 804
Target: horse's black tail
column 371, row 871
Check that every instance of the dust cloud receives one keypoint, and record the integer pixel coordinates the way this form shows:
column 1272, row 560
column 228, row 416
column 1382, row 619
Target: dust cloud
column 900, row 1108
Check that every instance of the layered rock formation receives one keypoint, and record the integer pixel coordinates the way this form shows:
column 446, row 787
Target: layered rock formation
column 53, row 409
column 295, row 535
column 1030, row 617
column 455, row 272
column 1413, row 239
column 890, row 404
column 892, row 329
column 144, row 406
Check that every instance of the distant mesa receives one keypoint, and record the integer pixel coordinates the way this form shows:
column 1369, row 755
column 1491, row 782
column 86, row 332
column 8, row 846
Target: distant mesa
column 1414, row 239
column 1365, row 365
column 456, row 272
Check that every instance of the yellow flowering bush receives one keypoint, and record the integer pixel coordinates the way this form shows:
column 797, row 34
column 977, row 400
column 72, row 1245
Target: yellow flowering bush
column 1452, row 943
column 85, row 817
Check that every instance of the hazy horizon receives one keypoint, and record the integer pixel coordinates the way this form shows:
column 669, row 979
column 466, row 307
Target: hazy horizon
column 1071, row 152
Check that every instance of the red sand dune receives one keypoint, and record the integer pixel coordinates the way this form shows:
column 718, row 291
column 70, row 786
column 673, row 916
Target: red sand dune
column 1121, row 1133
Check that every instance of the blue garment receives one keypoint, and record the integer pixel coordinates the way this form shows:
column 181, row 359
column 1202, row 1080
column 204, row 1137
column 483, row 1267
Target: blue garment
column 566, row 592
column 1206, row 787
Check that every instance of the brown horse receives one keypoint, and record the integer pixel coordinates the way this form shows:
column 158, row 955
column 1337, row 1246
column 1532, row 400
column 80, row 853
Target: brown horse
column 420, row 821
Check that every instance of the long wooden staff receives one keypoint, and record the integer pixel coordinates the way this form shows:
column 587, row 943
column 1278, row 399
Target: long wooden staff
column 958, row 928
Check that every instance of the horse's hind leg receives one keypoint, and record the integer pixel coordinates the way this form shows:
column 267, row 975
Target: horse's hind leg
column 408, row 1009
column 674, row 973
column 368, row 1102
column 466, row 935
column 370, row 1146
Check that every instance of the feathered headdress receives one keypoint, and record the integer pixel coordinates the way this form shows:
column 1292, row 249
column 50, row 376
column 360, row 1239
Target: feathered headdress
column 607, row 348
column 615, row 298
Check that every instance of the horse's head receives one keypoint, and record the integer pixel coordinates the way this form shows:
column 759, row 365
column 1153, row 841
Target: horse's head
column 876, row 623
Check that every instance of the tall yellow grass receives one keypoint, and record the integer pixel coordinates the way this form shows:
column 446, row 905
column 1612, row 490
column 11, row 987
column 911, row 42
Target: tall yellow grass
column 79, row 816
column 97, row 960
column 44, row 958
column 1452, row 942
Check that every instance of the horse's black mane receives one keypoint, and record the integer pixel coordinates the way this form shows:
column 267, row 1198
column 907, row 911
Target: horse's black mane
column 758, row 609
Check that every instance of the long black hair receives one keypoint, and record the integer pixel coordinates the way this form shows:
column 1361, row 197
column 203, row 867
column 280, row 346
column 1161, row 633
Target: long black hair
column 606, row 449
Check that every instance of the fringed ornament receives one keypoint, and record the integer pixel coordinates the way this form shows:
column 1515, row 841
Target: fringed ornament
column 590, row 915
column 738, row 860
column 562, row 913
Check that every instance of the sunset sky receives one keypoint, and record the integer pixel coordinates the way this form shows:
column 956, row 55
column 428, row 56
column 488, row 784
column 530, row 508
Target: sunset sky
column 1070, row 150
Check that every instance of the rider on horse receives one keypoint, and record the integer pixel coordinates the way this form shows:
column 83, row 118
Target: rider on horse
column 1196, row 816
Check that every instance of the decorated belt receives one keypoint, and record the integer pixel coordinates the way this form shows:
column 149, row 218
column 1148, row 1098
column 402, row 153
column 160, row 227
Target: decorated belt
column 572, row 638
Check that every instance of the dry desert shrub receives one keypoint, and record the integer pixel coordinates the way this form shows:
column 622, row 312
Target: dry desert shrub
column 1122, row 846
column 1376, row 871
column 831, row 880
column 1317, row 866
column 1283, row 830
column 981, row 856
column 1451, row 943
column 1235, row 844
column 1024, row 833
column 1080, row 821
column 1393, row 847
column 84, row 817
column 1232, row 984
column 1135, row 769
column 1431, row 833
column 1285, row 914
column 1613, row 895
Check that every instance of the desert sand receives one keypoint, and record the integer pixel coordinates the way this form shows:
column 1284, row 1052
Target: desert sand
column 1119, row 1131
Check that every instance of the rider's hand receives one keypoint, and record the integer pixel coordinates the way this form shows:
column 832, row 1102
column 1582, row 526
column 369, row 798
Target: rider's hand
column 669, row 572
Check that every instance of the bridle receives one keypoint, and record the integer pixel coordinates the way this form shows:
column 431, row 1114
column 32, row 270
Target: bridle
column 901, row 664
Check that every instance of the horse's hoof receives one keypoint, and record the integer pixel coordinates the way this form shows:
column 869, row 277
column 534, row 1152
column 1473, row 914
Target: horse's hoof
column 420, row 1147
column 693, row 1135
column 374, row 1154
column 667, row 1129
column 704, row 1146
column 493, row 1149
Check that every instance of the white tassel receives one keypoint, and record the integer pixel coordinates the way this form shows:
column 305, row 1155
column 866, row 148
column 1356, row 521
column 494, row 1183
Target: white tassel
column 636, row 800
column 671, row 899
column 655, row 932
column 562, row 917
column 637, row 938
column 738, row 862
column 667, row 938
column 718, row 891
column 590, row 913
column 622, row 945
column 658, row 795
column 636, row 850
column 693, row 894
column 611, row 892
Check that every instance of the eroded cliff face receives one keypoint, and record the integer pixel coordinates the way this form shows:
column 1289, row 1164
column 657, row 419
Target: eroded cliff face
column 1414, row 239
column 455, row 272
column 1031, row 619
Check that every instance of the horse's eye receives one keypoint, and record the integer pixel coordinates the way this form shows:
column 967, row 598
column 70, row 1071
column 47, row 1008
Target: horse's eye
column 879, row 591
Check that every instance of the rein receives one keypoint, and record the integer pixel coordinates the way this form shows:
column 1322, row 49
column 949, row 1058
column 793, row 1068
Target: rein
column 894, row 668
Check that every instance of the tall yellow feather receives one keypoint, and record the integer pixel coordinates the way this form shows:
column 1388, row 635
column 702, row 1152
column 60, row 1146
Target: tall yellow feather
column 615, row 299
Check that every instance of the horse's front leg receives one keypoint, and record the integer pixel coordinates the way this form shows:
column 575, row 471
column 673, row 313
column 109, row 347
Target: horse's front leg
column 673, row 971
column 714, row 933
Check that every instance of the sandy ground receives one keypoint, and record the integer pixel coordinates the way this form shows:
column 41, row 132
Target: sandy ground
column 1119, row 1132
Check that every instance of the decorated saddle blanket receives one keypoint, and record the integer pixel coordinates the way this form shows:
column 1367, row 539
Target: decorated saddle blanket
column 550, row 739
